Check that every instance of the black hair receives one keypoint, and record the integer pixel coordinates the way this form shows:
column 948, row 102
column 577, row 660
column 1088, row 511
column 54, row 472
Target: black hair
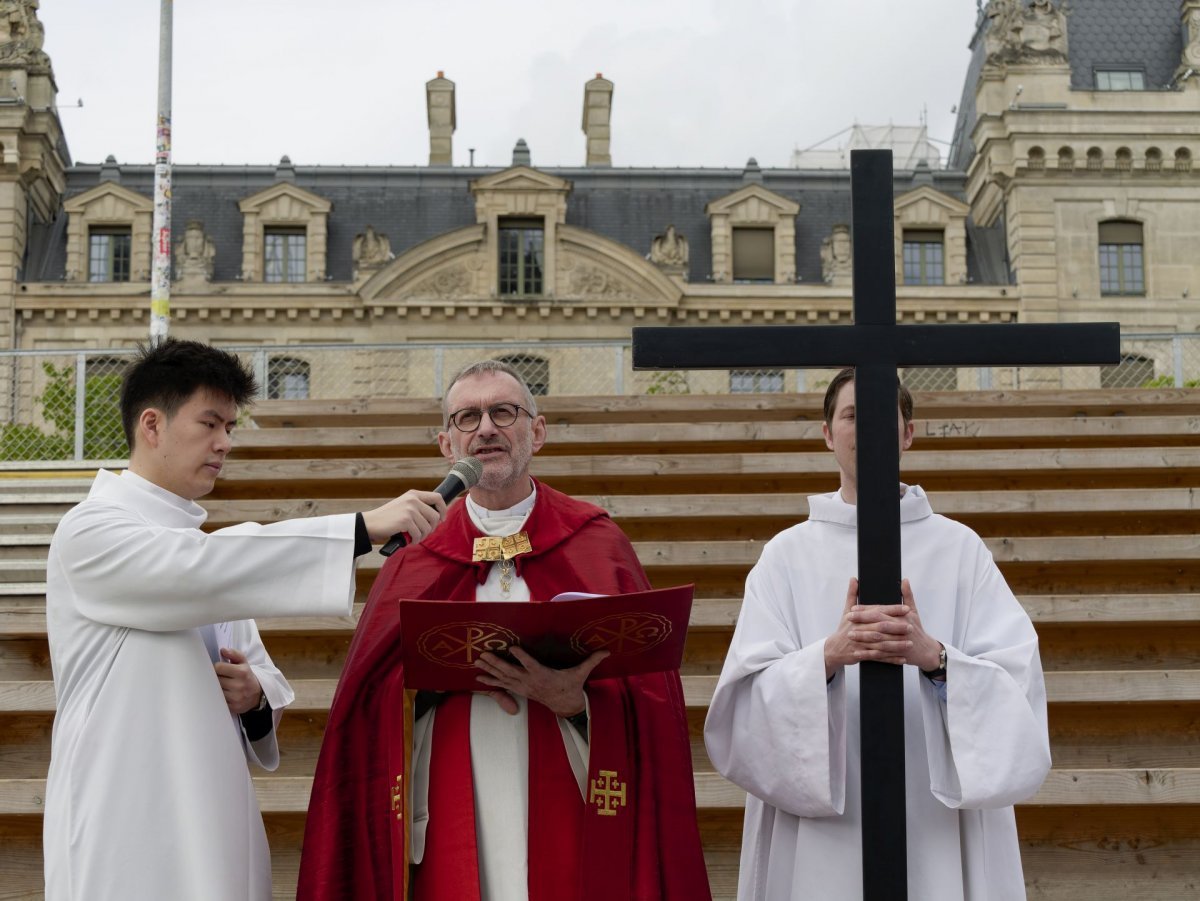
column 166, row 376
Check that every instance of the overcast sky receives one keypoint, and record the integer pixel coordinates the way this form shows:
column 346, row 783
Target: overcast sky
column 698, row 82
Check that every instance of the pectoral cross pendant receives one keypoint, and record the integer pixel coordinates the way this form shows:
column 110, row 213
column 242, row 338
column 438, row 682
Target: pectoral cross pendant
column 507, row 568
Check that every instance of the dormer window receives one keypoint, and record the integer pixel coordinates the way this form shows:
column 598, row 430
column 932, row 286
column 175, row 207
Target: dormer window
column 110, row 251
column 285, row 253
column 1120, row 80
column 753, row 255
column 924, row 257
column 522, row 256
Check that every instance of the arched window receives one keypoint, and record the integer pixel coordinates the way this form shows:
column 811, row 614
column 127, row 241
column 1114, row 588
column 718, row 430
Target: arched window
column 1037, row 158
column 288, row 378
column 1133, row 371
column 535, row 371
column 1122, row 268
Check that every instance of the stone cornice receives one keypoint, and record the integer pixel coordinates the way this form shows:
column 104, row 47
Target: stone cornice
column 263, row 305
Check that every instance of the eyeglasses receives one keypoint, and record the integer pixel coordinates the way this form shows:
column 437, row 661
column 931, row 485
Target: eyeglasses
column 501, row 415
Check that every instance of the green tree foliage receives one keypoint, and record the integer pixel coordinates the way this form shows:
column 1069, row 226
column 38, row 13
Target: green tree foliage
column 103, row 438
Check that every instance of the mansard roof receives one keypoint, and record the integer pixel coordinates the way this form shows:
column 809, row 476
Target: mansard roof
column 414, row 204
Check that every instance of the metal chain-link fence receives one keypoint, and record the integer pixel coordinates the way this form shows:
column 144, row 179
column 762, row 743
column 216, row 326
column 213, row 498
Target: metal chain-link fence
column 63, row 405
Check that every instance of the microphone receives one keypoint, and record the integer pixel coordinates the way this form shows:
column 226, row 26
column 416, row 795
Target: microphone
column 462, row 475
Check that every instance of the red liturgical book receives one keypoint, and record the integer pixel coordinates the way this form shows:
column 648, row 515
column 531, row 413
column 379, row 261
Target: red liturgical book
column 644, row 632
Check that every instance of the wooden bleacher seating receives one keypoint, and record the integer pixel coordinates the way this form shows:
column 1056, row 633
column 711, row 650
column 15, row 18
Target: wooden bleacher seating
column 1088, row 501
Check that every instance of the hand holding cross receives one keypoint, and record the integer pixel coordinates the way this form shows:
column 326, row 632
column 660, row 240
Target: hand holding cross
column 885, row 633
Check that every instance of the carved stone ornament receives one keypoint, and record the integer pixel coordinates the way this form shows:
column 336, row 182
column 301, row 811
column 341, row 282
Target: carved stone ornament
column 453, row 281
column 371, row 251
column 592, row 281
column 1020, row 33
column 194, row 254
column 1191, row 53
column 836, row 257
column 21, row 34
column 669, row 250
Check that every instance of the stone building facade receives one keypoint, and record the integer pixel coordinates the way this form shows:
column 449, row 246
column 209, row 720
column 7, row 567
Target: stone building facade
column 1069, row 195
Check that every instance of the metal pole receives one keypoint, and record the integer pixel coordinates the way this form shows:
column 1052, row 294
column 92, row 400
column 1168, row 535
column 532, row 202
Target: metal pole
column 160, row 274
column 80, row 402
column 619, row 369
column 439, row 370
column 1177, row 351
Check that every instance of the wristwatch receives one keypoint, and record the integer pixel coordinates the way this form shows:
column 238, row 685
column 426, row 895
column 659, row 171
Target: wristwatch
column 264, row 705
column 941, row 667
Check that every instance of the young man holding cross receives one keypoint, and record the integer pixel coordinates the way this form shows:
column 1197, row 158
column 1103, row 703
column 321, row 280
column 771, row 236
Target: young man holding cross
column 784, row 720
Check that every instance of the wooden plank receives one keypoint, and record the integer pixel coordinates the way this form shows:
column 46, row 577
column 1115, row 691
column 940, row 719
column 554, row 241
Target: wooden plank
column 1122, row 686
column 1066, row 788
column 1091, row 686
column 692, row 437
column 29, row 619
column 698, row 408
column 1116, row 608
column 771, row 505
column 731, row 473
column 1114, row 786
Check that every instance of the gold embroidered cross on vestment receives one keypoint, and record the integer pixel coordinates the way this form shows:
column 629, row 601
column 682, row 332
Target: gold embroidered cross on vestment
column 607, row 793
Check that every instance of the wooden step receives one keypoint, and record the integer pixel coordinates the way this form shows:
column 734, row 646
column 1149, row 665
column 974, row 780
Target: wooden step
column 372, row 411
column 24, row 554
column 692, row 437
column 724, row 509
column 733, row 473
column 29, row 619
column 1124, row 686
column 1062, row 788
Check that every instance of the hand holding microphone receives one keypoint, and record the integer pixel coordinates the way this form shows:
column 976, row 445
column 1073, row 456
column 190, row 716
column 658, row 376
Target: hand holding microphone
column 419, row 512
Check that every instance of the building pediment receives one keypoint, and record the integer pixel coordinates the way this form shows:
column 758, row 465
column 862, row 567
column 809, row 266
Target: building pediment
column 520, row 178
column 753, row 203
column 109, row 201
column 926, row 204
column 285, row 201
column 458, row 266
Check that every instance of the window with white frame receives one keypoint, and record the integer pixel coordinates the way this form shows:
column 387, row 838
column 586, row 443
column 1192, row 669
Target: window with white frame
column 285, row 254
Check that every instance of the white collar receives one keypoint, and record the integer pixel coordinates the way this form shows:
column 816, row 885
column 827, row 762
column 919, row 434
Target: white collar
column 832, row 509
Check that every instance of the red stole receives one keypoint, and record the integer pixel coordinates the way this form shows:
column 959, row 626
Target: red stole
column 559, row 825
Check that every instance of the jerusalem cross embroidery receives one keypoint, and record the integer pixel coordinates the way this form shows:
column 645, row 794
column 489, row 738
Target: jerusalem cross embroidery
column 607, row 793
column 491, row 548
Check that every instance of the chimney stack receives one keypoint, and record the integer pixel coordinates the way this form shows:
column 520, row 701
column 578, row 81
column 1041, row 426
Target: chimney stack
column 597, row 115
column 439, row 99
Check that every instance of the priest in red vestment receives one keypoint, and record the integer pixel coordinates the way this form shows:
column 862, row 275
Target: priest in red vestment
column 548, row 787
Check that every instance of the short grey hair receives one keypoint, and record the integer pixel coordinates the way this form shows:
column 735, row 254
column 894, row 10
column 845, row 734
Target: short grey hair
column 486, row 367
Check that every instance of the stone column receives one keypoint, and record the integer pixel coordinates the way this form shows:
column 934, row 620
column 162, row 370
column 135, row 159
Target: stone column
column 597, row 116
column 439, row 100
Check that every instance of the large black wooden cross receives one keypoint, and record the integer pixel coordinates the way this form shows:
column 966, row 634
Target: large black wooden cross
column 875, row 345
